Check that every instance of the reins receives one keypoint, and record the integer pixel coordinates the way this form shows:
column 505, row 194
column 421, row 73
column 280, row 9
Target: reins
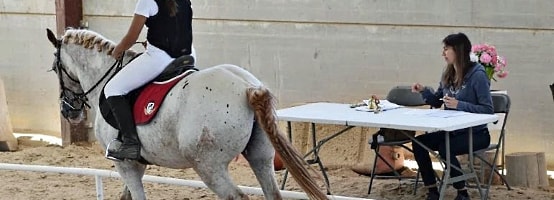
column 118, row 64
column 68, row 97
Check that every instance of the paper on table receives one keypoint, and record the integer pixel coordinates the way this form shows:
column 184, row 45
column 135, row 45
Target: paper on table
column 384, row 104
column 436, row 113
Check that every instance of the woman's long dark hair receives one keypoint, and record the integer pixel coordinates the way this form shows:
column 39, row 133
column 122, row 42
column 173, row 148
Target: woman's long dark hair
column 172, row 6
column 462, row 48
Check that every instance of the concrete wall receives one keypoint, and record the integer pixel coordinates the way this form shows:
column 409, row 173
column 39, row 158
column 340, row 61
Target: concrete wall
column 25, row 56
column 312, row 50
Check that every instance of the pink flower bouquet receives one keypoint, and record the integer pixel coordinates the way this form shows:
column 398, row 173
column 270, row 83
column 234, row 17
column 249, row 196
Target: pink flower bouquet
column 495, row 65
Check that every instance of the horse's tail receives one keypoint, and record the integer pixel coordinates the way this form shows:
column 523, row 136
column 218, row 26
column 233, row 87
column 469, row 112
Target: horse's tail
column 262, row 101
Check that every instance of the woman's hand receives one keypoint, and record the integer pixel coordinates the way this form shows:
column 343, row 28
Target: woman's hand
column 416, row 87
column 450, row 102
column 117, row 51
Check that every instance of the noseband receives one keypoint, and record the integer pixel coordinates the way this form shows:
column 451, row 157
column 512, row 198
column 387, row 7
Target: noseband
column 68, row 97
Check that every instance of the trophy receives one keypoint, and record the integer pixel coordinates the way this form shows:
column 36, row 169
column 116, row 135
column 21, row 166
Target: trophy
column 373, row 104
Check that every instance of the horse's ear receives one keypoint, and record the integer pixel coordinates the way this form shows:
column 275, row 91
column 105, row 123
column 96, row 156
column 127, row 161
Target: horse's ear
column 52, row 38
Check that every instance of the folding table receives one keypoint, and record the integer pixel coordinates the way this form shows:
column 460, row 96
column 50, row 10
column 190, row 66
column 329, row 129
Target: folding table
column 427, row 120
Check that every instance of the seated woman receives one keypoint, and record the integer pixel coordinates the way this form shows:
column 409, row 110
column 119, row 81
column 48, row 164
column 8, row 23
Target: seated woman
column 464, row 86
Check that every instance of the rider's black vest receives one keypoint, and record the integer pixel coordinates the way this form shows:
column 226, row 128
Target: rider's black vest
column 171, row 34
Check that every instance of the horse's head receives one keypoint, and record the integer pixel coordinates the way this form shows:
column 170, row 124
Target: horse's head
column 79, row 57
column 72, row 101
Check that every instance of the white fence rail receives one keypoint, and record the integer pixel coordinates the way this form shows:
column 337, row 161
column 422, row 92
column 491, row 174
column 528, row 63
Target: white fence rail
column 98, row 174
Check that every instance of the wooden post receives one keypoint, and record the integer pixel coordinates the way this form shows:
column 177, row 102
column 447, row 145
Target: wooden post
column 69, row 13
column 526, row 169
column 8, row 142
column 74, row 133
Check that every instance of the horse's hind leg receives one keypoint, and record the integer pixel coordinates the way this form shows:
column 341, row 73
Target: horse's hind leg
column 259, row 152
column 216, row 176
column 132, row 172
column 126, row 194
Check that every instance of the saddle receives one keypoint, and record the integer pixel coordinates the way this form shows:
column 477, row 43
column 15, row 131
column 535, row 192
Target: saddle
column 147, row 99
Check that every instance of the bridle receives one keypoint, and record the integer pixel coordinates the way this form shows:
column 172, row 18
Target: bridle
column 71, row 101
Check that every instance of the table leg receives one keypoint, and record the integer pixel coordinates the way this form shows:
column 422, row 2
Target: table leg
column 317, row 160
column 446, row 172
column 471, row 167
column 315, row 151
column 447, row 179
column 289, row 130
column 316, row 148
column 289, row 133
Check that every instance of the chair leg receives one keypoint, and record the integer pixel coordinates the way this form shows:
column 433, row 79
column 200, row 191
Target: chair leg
column 503, row 179
column 503, row 161
column 494, row 169
column 416, row 182
column 390, row 166
column 379, row 156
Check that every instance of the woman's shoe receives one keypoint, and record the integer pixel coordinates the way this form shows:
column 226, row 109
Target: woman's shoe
column 432, row 196
column 462, row 196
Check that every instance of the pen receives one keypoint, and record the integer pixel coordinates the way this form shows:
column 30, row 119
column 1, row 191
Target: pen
column 442, row 99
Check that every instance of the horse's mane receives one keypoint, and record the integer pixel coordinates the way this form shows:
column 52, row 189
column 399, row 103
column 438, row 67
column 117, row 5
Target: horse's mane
column 90, row 40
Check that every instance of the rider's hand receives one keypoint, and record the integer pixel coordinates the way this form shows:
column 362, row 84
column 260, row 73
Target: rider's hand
column 117, row 52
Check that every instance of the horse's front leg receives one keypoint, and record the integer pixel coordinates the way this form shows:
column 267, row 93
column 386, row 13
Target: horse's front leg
column 131, row 172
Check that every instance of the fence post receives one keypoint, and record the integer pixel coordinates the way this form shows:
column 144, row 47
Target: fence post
column 69, row 13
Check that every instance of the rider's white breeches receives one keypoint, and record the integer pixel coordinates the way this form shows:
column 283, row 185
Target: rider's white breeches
column 138, row 72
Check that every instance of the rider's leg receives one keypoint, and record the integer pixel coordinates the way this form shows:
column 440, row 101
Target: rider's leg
column 130, row 149
column 135, row 74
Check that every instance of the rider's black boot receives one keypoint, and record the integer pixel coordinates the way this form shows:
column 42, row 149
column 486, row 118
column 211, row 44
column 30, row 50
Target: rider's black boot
column 130, row 148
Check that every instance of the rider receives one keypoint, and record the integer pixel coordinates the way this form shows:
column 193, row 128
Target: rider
column 169, row 36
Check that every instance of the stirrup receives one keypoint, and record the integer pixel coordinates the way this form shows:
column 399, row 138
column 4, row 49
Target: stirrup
column 108, row 156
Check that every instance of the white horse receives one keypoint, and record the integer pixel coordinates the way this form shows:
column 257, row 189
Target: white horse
column 223, row 111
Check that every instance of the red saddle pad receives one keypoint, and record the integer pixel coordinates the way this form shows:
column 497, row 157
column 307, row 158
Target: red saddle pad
column 151, row 98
